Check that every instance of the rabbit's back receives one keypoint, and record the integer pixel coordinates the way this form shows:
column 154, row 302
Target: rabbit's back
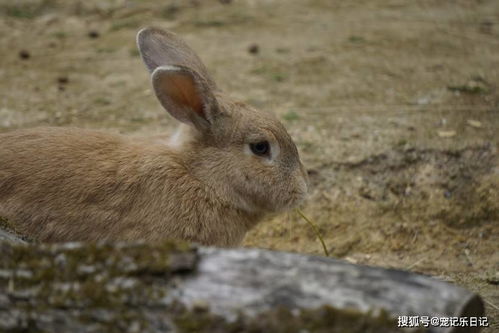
column 51, row 177
column 60, row 184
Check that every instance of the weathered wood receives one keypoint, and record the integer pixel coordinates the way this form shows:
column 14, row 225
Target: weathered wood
column 169, row 287
column 255, row 280
column 6, row 234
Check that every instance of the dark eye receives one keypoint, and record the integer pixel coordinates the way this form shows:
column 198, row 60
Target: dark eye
column 260, row 148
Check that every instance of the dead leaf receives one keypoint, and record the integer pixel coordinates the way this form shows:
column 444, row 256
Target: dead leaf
column 446, row 134
column 474, row 123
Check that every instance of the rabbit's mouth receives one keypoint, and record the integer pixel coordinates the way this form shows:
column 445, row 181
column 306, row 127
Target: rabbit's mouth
column 296, row 197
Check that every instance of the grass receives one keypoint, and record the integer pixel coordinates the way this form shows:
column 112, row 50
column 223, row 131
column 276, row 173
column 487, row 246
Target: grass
column 102, row 101
column 105, row 50
column 316, row 231
column 26, row 9
column 291, row 116
column 271, row 73
column 125, row 24
column 134, row 52
column 356, row 39
column 231, row 19
column 170, row 11
column 476, row 86
column 60, row 34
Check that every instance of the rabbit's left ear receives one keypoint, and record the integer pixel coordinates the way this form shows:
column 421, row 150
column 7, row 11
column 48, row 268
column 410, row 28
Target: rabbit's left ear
column 164, row 48
column 186, row 95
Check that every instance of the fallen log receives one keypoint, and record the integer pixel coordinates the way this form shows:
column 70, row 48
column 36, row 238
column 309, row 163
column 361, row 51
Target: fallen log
column 8, row 234
column 174, row 287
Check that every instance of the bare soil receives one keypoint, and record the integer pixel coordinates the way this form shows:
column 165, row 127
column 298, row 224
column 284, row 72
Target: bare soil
column 394, row 106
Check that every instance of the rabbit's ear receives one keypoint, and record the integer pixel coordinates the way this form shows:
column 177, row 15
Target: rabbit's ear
column 185, row 95
column 163, row 48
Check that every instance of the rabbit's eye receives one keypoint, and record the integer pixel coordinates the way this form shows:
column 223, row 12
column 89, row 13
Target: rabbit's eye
column 260, row 148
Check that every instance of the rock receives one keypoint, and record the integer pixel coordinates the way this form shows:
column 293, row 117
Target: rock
column 62, row 80
column 254, row 49
column 24, row 55
column 93, row 34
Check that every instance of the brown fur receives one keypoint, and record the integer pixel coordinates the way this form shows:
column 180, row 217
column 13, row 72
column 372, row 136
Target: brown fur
column 61, row 184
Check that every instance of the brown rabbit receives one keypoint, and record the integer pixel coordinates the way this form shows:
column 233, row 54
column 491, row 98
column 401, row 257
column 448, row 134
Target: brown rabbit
column 226, row 167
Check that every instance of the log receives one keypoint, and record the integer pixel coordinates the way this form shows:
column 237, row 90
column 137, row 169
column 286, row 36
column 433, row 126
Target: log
column 175, row 287
column 255, row 280
column 8, row 234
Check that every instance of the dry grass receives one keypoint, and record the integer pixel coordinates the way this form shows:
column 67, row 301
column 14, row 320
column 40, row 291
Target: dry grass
column 393, row 104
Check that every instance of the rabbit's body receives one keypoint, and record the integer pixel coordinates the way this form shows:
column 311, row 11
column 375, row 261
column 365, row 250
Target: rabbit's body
column 125, row 190
column 226, row 167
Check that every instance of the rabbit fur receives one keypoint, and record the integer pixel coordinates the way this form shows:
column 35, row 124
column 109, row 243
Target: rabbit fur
column 205, row 185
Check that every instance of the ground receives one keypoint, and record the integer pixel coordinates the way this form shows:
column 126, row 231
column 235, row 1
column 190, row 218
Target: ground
column 394, row 106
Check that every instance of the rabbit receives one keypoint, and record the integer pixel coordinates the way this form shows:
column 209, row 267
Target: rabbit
column 227, row 166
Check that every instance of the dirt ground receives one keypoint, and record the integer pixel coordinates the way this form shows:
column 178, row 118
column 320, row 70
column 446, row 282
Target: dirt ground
column 394, row 106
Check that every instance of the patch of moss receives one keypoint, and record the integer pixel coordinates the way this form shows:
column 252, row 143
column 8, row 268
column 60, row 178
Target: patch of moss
column 477, row 85
column 92, row 275
column 9, row 227
column 5, row 224
column 122, row 287
column 283, row 320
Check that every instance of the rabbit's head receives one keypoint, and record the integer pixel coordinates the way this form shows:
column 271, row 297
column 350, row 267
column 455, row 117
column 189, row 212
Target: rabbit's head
column 245, row 156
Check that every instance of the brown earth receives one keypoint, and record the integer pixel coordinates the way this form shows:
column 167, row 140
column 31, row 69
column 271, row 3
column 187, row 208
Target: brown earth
column 393, row 104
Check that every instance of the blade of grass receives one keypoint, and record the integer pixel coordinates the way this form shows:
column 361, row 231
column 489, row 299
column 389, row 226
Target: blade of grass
column 316, row 230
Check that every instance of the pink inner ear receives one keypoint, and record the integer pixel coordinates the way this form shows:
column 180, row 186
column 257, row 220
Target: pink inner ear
column 182, row 90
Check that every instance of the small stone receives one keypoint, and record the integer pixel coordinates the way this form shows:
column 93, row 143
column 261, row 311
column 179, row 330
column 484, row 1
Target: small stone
column 312, row 172
column 63, row 80
column 423, row 100
column 23, row 54
column 254, row 49
column 93, row 34
column 486, row 27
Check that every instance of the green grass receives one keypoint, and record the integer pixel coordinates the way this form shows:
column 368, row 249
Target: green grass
column 59, row 35
column 291, row 116
column 356, row 39
column 125, row 24
column 26, row 9
column 134, row 52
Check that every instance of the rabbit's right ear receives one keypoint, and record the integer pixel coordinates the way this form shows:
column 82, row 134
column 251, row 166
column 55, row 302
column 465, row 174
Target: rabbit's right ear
column 163, row 48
